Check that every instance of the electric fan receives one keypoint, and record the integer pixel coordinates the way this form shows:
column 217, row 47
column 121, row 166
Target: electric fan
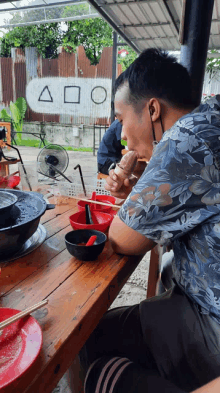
column 53, row 161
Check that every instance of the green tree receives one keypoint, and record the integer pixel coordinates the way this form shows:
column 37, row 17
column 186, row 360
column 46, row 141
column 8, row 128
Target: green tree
column 46, row 38
column 92, row 34
column 213, row 65
column 128, row 59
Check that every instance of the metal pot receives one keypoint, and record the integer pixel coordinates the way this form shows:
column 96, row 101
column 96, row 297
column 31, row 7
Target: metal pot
column 7, row 200
column 22, row 222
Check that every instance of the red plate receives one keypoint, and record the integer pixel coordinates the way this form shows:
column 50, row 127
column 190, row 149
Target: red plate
column 20, row 344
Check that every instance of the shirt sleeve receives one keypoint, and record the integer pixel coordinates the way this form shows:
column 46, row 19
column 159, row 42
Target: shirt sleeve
column 179, row 189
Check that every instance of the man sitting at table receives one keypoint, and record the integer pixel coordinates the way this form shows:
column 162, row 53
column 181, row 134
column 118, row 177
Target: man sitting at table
column 110, row 148
column 170, row 343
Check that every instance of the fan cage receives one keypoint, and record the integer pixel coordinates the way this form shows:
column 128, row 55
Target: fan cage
column 59, row 152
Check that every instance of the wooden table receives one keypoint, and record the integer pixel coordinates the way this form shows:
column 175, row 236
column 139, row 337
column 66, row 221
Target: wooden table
column 79, row 293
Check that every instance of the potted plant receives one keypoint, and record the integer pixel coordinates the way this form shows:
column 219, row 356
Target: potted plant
column 18, row 110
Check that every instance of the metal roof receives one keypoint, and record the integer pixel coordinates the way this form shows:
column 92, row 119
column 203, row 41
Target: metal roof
column 30, row 12
column 141, row 23
column 152, row 23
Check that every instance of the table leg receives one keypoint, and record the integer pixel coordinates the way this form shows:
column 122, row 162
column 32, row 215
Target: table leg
column 75, row 377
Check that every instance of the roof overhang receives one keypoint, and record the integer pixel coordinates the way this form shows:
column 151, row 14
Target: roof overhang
column 152, row 23
column 141, row 23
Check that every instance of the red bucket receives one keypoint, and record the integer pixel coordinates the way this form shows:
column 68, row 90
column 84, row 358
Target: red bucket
column 101, row 221
column 99, row 198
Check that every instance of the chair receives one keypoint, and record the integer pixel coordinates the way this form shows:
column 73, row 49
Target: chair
column 101, row 176
column 154, row 270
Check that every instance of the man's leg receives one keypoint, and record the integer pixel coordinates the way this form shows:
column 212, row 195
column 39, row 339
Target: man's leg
column 120, row 375
column 164, row 335
column 119, row 333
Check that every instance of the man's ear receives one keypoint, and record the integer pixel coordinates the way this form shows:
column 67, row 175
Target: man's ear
column 155, row 109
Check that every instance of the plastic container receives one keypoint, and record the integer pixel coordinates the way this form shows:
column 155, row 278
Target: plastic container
column 101, row 221
column 63, row 190
column 28, row 175
column 85, row 253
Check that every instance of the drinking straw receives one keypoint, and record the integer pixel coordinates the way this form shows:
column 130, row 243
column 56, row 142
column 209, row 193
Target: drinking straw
column 81, row 176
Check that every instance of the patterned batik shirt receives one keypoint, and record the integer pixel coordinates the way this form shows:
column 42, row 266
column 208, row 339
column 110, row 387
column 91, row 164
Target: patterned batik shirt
column 177, row 201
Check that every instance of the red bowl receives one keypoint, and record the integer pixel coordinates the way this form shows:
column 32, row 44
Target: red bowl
column 101, row 221
column 100, row 198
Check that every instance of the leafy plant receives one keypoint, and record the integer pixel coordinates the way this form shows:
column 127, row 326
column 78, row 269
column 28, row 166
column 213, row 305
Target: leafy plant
column 18, row 110
column 46, row 38
column 93, row 34
column 213, row 65
column 128, row 59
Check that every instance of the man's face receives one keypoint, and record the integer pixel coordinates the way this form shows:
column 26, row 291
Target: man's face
column 136, row 127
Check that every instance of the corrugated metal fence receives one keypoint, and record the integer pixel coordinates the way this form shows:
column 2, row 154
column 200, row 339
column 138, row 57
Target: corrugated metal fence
column 23, row 67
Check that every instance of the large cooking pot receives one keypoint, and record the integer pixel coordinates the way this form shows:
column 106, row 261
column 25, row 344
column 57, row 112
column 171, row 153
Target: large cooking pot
column 22, row 222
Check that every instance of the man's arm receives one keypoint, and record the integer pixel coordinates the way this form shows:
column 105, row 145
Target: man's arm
column 127, row 241
column 211, row 387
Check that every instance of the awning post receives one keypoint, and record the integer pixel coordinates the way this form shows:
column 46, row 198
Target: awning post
column 197, row 24
column 114, row 73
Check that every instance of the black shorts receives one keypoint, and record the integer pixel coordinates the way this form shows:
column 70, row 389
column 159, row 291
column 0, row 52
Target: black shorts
column 164, row 340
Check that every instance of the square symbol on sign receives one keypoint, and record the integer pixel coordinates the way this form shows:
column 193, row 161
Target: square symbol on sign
column 72, row 95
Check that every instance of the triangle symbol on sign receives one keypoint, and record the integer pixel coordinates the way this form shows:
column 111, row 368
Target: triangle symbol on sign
column 45, row 95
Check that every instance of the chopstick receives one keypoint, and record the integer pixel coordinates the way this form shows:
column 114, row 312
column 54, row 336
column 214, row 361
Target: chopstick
column 96, row 202
column 22, row 314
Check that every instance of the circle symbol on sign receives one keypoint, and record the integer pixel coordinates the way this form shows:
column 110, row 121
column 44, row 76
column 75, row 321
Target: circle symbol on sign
column 98, row 95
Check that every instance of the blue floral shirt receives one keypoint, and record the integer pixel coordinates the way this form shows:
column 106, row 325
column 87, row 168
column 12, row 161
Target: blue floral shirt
column 177, row 201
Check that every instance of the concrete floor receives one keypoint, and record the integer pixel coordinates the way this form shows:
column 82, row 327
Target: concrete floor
column 134, row 290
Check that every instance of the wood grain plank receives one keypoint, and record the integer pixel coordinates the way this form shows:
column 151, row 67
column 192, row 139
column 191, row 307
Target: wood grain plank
column 79, row 294
column 43, row 281
column 72, row 313
column 59, row 222
column 13, row 273
column 59, row 210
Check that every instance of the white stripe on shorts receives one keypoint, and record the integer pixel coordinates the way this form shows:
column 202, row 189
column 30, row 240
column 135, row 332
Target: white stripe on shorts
column 111, row 372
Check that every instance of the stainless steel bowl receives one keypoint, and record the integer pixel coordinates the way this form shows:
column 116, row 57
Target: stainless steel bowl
column 7, row 201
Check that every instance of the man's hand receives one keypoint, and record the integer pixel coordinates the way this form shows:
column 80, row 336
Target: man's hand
column 115, row 189
column 139, row 168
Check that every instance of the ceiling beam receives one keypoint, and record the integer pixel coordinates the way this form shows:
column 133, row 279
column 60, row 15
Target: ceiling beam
column 144, row 25
column 173, row 17
column 45, row 21
column 106, row 4
column 151, row 38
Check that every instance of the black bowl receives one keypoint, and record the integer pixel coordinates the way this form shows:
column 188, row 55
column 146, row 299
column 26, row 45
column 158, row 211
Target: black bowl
column 85, row 253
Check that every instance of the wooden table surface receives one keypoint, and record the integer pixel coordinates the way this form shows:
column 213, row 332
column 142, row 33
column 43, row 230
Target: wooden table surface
column 79, row 293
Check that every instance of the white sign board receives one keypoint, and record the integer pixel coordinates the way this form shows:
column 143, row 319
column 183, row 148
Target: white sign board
column 73, row 96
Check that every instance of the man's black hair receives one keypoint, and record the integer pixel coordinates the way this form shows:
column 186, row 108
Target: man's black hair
column 157, row 74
